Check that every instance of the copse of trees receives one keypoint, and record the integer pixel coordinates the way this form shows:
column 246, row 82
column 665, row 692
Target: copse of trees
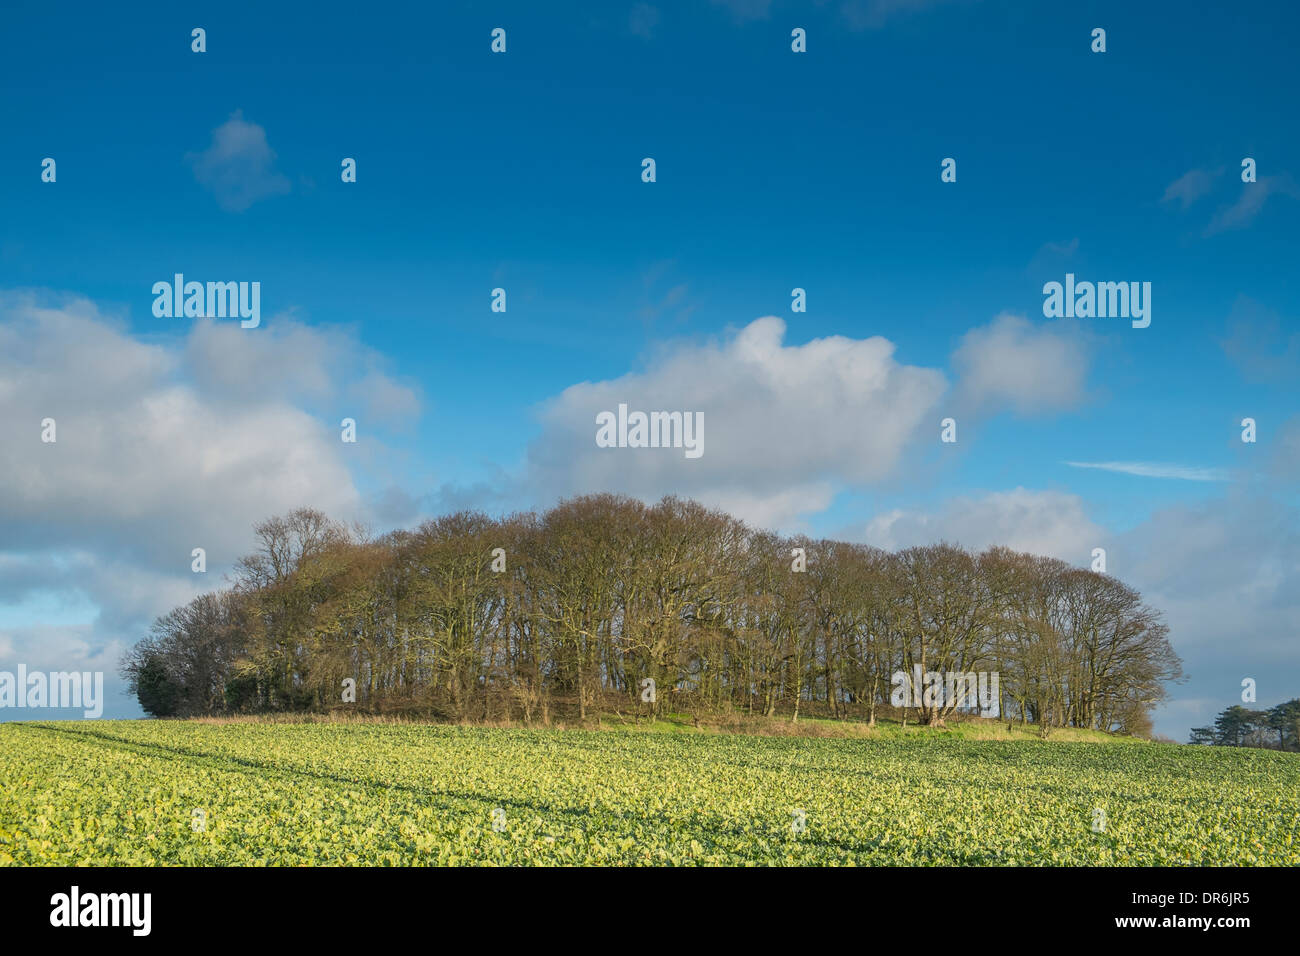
column 1277, row 728
column 565, row 614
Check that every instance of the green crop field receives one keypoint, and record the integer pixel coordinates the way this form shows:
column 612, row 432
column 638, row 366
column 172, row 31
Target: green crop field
column 163, row 792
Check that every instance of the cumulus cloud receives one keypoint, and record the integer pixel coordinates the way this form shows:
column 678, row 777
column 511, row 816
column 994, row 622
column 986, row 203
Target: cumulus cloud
column 1028, row 367
column 58, row 649
column 162, row 447
column 239, row 165
column 781, row 422
column 145, row 461
column 779, row 509
column 1050, row 523
column 289, row 361
column 786, row 426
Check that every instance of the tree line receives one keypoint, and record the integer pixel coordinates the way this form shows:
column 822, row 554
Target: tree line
column 1277, row 728
column 571, row 613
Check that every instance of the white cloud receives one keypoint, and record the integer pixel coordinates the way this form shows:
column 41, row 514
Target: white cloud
column 58, row 649
column 1151, row 469
column 1050, row 523
column 239, row 166
column 161, row 447
column 781, row 422
column 1029, row 367
column 786, row 426
column 384, row 399
column 289, row 361
column 774, row 510
column 145, row 462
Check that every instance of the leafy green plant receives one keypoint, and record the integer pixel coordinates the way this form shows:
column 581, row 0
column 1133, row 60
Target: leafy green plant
column 125, row 792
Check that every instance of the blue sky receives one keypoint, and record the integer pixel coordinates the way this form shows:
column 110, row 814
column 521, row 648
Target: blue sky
column 775, row 170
